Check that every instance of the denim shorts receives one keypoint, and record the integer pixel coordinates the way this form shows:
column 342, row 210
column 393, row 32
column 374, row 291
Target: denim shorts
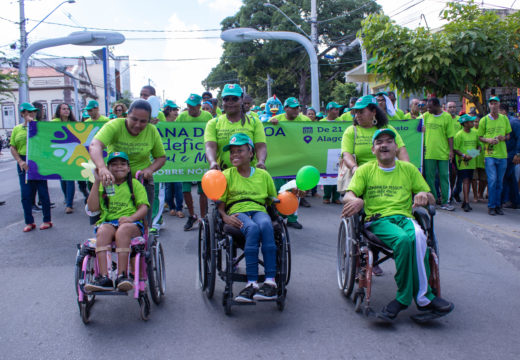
column 115, row 223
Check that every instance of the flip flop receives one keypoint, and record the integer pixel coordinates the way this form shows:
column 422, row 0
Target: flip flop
column 29, row 227
column 45, row 225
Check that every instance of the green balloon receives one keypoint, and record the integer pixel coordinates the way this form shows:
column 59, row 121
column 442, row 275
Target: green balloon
column 307, row 178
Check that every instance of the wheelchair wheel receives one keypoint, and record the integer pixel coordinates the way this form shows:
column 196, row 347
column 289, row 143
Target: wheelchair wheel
column 358, row 300
column 84, row 310
column 156, row 272
column 144, row 307
column 211, row 252
column 228, row 291
column 203, row 253
column 346, row 256
column 86, row 277
column 287, row 254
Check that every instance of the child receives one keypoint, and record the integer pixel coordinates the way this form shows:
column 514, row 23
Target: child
column 466, row 139
column 122, row 206
column 243, row 206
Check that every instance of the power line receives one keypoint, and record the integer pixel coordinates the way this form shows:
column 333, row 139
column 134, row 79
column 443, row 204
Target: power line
column 170, row 38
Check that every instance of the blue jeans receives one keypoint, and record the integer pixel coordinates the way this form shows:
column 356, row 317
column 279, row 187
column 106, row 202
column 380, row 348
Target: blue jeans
column 174, row 191
column 69, row 188
column 28, row 191
column 495, row 170
column 510, row 192
column 257, row 227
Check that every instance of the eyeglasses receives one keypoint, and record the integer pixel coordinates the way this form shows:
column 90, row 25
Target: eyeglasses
column 230, row 98
column 421, row 105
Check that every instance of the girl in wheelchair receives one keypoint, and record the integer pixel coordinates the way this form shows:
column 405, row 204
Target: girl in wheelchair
column 122, row 207
column 243, row 206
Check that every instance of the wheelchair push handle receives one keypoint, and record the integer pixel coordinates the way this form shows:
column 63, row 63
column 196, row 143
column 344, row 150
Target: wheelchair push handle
column 140, row 176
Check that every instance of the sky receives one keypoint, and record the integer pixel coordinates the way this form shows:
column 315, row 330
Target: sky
column 186, row 40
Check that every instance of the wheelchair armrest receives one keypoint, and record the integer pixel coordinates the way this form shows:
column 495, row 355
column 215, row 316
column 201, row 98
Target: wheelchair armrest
column 423, row 217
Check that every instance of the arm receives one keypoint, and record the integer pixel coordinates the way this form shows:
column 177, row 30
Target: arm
column 230, row 220
column 349, row 160
column 488, row 140
column 93, row 197
column 353, row 204
column 139, row 215
column 154, row 166
column 261, row 154
column 96, row 154
column 402, row 154
column 18, row 158
column 450, row 143
column 211, row 155
column 423, row 198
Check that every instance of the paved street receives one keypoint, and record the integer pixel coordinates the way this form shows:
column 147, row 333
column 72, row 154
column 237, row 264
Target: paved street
column 480, row 272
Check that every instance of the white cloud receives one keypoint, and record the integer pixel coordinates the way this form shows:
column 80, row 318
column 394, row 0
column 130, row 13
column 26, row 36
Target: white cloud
column 227, row 6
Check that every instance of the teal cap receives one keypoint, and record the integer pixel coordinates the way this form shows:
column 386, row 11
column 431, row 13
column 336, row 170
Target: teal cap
column 194, row 100
column 85, row 114
column 257, row 108
column 346, row 110
column 364, row 101
column 494, row 98
column 381, row 93
column 170, row 104
column 331, row 105
column 232, row 90
column 381, row 132
column 465, row 118
column 92, row 104
column 291, row 102
column 237, row 140
column 320, row 115
column 27, row 107
column 117, row 154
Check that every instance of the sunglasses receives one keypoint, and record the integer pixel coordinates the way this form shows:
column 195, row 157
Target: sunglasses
column 421, row 105
column 230, row 98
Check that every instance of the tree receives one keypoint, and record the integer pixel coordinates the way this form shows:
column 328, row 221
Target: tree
column 476, row 50
column 7, row 77
column 285, row 61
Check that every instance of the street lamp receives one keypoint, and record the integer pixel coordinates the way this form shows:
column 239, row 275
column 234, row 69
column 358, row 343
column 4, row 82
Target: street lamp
column 246, row 34
column 83, row 38
column 49, row 14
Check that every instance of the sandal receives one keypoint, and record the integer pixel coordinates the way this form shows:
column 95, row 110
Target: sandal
column 173, row 213
column 45, row 225
column 326, row 201
column 29, row 227
column 180, row 214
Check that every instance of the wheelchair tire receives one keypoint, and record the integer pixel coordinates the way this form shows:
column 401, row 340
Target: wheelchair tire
column 144, row 307
column 211, row 244
column 202, row 251
column 358, row 301
column 287, row 253
column 155, row 272
column 84, row 312
column 228, row 291
column 346, row 256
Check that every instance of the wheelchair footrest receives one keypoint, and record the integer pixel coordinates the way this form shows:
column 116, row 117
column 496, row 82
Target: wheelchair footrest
column 233, row 302
column 114, row 292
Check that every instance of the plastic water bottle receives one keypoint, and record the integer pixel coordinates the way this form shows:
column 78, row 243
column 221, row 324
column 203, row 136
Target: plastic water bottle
column 110, row 189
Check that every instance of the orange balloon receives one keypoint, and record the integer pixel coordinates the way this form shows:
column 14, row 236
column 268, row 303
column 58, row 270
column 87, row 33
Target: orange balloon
column 288, row 203
column 214, row 184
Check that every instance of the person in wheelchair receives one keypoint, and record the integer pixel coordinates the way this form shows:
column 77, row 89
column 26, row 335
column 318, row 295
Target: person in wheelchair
column 384, row 188
column 122, row 211
column 243, row 206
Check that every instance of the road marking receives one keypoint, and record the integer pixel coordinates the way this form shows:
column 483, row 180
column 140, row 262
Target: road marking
column 490, row 228
column 14, row 224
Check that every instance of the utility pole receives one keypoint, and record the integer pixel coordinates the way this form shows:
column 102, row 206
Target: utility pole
column 314, row 25
column 269, row 80
column 23, row 32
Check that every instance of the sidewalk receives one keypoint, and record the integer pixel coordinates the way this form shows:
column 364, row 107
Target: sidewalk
column 6, row 156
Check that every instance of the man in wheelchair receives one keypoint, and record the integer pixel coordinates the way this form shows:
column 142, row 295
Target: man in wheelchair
column 384, row 188
column 123, row 207
column 243, row 206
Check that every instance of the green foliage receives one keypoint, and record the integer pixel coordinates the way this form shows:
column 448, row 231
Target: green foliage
column 287, row 62
column 6, row 79
column 126, row 98
column 342, row 92
column 474, row 51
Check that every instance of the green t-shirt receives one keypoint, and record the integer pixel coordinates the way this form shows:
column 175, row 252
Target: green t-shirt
column 490, row 128
column 399, row 115
column 438, row 129
column 252, row 114
column 480, row 160
column 258, row 187
column 346, row 117
column 121, row 204
column 408, row 116
column 19, row 139
column 363, row 147
column 116, row 137
column 218, row 111
column 464, row 141
column 101, row 118
column 161, row 116
column 283, row 117
column 203, row 117
column 456, row 124
column 220, row 130
column 388, row 193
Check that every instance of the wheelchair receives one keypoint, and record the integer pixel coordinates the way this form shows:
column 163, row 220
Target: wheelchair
column 218, row 246
column 147, row 255
column 355, row 257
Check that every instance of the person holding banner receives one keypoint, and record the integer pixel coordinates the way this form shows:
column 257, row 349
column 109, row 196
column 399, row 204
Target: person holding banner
column 139, row 139
column 330, row 192
column 28, row 188
column 173, row 190
column 356, row 144
column 385, row 103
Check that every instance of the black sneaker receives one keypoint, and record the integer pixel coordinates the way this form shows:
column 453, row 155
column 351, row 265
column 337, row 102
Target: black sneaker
column 457, row 198
column 123, row 283
column 499, row 211
column 304, row 203
column 391, row 310
column 266, row 292
column 295, row 225
column 438, row 305
column 246, row 295
column 190, row 224
column 101, row 283
column 491, row 211
column 36, row 208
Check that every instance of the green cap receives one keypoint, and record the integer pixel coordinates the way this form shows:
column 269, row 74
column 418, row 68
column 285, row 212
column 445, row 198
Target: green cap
column 291, row 102
column 346, row 110
column 494, row 98
column 85, row 114
column 92, row 104
column 257, row 108
column 382, row 131
column 27, row 107
column 364, row 101
column 232, row 90
column 170, row 104
column 465, row 118
column 381, row 93
column 194, row 100
column 331, row 105
column 238, row 139
column 320, row 115
column 117, row 154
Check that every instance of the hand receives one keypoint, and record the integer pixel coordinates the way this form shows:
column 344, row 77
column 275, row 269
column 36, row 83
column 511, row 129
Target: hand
column 214, row 166
column 467, row 157
column 493, row 141
column 23, row 165
column 154, row 121
column 353, row 169
column 273, row 121
column 500, row 138
column 298, row 192
column 516, row 160
column 106, row 176
column 352, row 207
column 451, row 155
column 125, row 220
column 233, row 220
column 420, row 199
column 147, row 174
column 260, row 165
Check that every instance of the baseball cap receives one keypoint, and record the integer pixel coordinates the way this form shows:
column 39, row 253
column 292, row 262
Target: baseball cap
column 380, row 132
column 170, row 104
column 194, row 100
column 117, row 154
column 331, row 105
column 494, row 98
column 237, row 140
column 364, row 101
column 232, row 90
column 91, row 105
column 465, row 118
column 27, row 107
column 291, row 102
